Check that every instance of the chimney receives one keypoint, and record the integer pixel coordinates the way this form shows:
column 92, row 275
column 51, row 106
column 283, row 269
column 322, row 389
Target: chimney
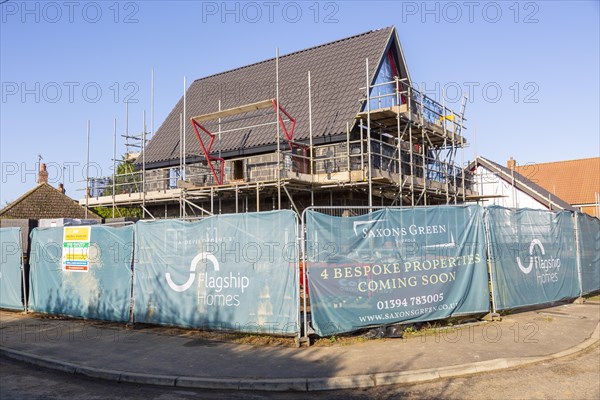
column 61, row 188
column 43, row 174
column 511, row 164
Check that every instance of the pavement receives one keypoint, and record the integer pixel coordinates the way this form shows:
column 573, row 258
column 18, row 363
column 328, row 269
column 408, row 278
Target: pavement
column 157, row 357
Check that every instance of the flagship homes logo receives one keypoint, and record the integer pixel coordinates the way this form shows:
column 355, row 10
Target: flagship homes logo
column 213, row 288
column 546, row 268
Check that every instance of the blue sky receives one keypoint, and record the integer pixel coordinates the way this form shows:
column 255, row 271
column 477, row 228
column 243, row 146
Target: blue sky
column 532, row 69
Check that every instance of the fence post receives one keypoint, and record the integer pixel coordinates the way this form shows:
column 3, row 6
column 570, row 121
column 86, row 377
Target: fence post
column 487, row 239
column 578, row 254
column 23, row 283
column 133, row 264
column 304, row 277
column 299, row 236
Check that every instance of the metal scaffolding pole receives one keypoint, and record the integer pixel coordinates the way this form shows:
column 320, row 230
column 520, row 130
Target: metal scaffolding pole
column 114, row 167
column 144, row 161
column 348, row 151
column 87, row 171
column 369, row 176
column 453, row 160
column 293, row 205
column 184, row 125
column 398, row 144
column 462, row 168
column 127, row 128
column 362, row 149
column 219, row 134
column 152, row 104
column 278, row 137
column 410, row 152
column 310, row 143
column 447, row 166
column 184, row 172
column 454, row 169
column 196, row 206
column 424, row 155
column 236, row 198
column 422, row 129
column 257, row 198
column 462, row 145
column 181, row 163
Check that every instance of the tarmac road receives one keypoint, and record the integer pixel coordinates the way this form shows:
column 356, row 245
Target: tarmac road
column 574, row 377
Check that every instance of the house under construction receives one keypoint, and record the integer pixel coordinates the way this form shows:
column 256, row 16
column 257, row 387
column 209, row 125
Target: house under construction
column 339, row 124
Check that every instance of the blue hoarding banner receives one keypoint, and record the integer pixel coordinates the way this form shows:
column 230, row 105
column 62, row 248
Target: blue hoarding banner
column 227, row 272
column 82, row 271
column 10, row 269
column 589, row 249
column 395, row 265
column 533, row 256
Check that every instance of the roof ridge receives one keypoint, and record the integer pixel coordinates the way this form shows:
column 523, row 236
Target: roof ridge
column 21, row 198
column 560, row 161
column 296, row 52
column 35, row 189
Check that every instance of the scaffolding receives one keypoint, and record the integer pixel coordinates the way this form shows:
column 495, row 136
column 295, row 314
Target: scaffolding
column 400, row 149
column 129, row 181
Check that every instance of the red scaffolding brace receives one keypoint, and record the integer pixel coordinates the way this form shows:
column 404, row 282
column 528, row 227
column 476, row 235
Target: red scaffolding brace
column 196, row 123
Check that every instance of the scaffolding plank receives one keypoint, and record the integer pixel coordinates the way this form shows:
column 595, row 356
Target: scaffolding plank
column 383, row 113
column 235, row 111
column 158, row 196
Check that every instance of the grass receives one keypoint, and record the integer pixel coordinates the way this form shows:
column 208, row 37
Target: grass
column 253, row 339
column 428, row 329
column 264, row 340
column 340, row 341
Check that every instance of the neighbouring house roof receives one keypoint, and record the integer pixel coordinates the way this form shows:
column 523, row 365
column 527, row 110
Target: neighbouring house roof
column 523, row 184
column 44, row 201
column 575, row 181
column 337, row 73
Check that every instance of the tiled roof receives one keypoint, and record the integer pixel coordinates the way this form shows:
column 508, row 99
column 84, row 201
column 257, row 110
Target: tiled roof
column 337, row 73
column 523, row 184
column 575, row 181
column 44, row 201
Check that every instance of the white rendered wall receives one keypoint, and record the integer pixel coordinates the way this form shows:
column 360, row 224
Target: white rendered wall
column 488, row 183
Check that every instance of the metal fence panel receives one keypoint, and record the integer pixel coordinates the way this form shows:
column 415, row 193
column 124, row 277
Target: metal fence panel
column 395, row 265
column 68, row 280
column 588, row 235
column 11, row 276
column 226, row 272
column 533, row 256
